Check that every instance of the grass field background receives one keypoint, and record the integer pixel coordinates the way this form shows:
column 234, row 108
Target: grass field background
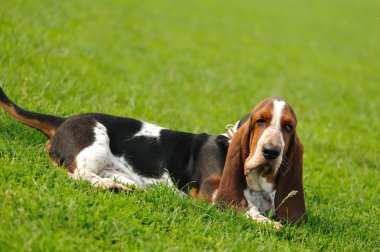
column 192, row 66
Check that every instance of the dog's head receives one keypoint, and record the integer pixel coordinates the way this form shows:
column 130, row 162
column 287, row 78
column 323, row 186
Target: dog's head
column 266, row 155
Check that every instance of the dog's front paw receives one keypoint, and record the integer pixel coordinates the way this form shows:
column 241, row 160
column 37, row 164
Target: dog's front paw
column 277, row 225
column 256, row 216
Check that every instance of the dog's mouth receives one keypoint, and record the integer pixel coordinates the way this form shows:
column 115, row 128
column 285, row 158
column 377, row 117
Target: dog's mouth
column 261, row 178
column 264, row 170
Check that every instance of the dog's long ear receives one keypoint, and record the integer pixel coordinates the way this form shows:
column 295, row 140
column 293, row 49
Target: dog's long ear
column 233, row 183
column 292, row 209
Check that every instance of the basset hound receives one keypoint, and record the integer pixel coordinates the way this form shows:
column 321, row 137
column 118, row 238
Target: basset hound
column 257, row 170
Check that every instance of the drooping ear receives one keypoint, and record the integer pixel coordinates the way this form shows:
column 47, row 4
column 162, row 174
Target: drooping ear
column 233, row 183
column 293, row 209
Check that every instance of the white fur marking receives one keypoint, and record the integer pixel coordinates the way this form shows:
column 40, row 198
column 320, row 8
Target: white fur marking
column 278, row 106
column 263, row 201
column 98, row 165
column 265, row 185
column 149, row 130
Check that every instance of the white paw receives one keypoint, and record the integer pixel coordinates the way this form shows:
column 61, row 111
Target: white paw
column 256, row 216
column 277, row 225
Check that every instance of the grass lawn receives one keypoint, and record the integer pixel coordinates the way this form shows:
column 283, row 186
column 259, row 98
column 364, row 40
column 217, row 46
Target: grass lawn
column 192, row 66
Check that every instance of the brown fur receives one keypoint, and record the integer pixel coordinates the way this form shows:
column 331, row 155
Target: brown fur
column 46, row 128
column 208, row 187
column 290, row 178
column 233, row 183
column 47, row 150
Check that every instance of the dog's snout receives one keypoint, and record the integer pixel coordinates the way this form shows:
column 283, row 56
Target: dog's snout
column 271, row 152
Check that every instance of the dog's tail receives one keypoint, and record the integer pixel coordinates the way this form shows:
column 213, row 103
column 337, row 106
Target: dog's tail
column 47, row 124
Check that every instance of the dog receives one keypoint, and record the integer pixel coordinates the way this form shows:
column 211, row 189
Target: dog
column 256, row 168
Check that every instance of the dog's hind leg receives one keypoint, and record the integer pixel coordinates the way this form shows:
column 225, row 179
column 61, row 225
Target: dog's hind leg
column 94, row 159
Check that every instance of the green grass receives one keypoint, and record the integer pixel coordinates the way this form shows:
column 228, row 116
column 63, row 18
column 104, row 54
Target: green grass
column 193, row 66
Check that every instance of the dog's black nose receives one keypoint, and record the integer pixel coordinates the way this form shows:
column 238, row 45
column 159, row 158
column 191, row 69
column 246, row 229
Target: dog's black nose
column 271, row 152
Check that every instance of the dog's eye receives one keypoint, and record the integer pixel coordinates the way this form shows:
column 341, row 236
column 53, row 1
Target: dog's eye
column 288, row 127
column 260, row 122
